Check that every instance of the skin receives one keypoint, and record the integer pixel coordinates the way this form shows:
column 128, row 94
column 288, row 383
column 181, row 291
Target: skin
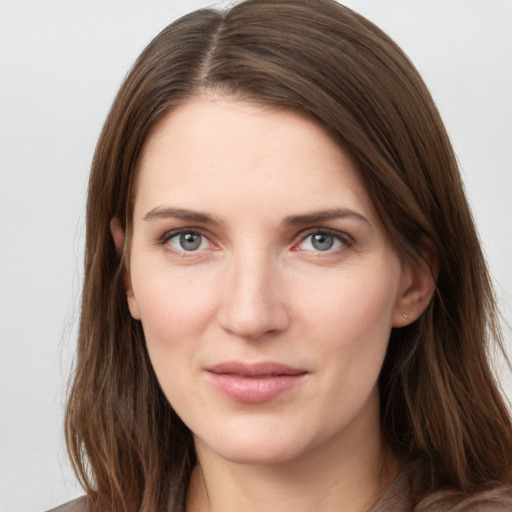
column 245, row 180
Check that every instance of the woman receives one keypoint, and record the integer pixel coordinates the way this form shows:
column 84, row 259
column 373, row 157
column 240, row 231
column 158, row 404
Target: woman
column 285, row 303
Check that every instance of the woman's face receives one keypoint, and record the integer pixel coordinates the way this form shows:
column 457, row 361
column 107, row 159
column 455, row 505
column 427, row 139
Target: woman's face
column 265, row 283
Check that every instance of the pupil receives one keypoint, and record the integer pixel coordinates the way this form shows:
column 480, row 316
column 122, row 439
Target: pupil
column 190, row 241
column 322, row 242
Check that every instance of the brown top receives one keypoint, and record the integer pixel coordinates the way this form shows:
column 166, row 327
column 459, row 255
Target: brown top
column 401, row 496
column 406, row 492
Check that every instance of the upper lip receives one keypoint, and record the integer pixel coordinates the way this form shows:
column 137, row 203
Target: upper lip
column 260, row 369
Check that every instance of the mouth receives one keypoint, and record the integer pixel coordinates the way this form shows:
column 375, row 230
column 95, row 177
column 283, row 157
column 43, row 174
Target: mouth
column 254, row 383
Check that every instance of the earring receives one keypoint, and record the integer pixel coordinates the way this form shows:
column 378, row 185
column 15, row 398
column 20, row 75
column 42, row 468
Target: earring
column 405, row 315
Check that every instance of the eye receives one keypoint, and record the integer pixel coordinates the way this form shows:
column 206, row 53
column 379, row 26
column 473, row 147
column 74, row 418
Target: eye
column 322, row 241
column 188, row 241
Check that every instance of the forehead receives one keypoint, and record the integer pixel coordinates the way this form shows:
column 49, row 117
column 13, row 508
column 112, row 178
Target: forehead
column 218, row 152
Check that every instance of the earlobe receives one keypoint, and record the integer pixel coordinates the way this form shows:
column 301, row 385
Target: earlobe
column 418, row 287
column 117, row 233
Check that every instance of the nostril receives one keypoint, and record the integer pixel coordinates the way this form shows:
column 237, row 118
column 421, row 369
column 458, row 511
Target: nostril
column 253, row 304
column 253, row 319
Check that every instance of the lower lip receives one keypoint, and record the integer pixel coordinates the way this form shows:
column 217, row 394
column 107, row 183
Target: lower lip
column 254, row 390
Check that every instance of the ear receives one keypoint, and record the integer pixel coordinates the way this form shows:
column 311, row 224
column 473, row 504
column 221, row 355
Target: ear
column 117, row 233
column 417, row 287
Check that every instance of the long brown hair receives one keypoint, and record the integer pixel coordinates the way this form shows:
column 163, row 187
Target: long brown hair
column 439, row 400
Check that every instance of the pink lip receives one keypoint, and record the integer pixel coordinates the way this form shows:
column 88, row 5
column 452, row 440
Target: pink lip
column 254, row 383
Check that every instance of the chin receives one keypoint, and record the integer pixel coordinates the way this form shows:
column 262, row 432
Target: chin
column 260, row 453
column 252, row 444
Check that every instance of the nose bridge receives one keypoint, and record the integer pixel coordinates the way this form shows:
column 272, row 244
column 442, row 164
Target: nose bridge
column 252, row 302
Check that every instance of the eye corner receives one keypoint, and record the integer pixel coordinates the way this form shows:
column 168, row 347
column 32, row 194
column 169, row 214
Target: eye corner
column 187, row 242
column 328, row 242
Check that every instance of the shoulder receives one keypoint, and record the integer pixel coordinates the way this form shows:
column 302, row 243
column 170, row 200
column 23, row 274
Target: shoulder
column 498, row 499
column 409, row 492
column 78, row 505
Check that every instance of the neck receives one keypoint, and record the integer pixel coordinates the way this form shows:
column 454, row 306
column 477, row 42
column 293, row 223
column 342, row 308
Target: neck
column 348, row 473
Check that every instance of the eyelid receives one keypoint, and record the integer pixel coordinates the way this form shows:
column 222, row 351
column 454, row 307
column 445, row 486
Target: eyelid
column 343, row 237
column 346, row 240
column 168, row 235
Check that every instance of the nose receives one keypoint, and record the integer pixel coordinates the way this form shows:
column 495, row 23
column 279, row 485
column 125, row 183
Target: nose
column 253, row 302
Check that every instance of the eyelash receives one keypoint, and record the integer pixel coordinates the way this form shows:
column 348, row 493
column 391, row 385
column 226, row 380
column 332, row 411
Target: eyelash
column 167, row 237
column 344, row 240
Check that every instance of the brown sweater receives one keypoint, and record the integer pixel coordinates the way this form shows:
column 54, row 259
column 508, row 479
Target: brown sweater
column 407, row 494
column 403, row 494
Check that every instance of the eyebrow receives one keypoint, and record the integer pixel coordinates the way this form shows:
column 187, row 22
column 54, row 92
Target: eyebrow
column 323, row 216
column 159, row 213
column 180, row 213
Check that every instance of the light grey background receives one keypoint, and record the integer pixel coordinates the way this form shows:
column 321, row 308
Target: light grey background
column 60, row 66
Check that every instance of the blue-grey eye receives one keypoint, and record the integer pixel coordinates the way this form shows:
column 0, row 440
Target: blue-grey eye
column 320, row 242
column 189, row 241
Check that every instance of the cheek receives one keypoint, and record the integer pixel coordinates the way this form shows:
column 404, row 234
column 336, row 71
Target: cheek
column 173, row 320
column 354, row 301
column 175, row 311
column 348, row 332
column 172, row 302
column 350, row 322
